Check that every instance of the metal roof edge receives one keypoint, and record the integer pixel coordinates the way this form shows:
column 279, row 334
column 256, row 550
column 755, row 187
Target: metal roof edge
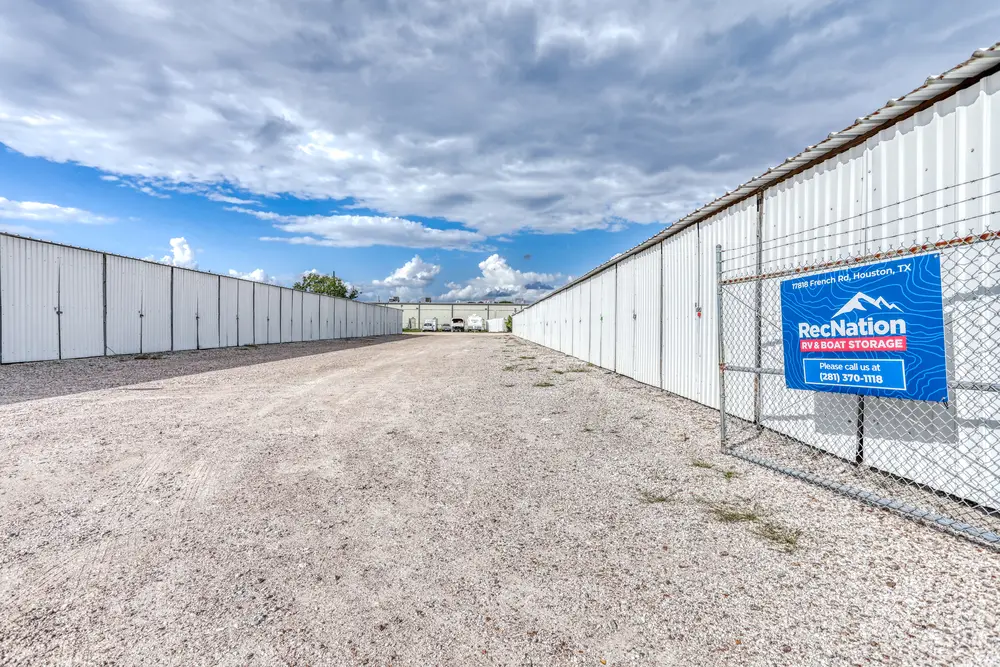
column 982, row 63
column 170, row 266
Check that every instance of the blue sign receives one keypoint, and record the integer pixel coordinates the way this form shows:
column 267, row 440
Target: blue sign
column 876, row 330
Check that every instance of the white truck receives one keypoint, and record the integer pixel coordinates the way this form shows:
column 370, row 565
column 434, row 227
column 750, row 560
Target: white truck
column 431, row 324
column 475, row 323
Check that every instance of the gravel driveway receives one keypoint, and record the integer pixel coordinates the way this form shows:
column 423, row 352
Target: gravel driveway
column 440, row 499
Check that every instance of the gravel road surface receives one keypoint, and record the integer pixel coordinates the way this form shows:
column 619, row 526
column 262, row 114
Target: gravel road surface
column 438, row 500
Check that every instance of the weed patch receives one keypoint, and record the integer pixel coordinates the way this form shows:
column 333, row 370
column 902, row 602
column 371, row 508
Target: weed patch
column 787, row 538
column 544, row 384
column 698, row 463
column 729, row 513
column 651, row 498
column 731, row 475
column 147, row 357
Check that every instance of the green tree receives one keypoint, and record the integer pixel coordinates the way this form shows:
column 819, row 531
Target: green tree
column 329, row 285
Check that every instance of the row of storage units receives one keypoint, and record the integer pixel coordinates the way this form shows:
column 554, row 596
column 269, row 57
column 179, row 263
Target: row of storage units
column 59, row 302
column 652, row 315
column 933, row 175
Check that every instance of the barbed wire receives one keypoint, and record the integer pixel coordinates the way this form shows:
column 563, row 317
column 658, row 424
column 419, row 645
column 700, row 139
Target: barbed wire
column 879, row 209
column 870, row 226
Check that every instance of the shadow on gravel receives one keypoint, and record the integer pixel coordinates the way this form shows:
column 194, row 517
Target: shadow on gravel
column 45, row 379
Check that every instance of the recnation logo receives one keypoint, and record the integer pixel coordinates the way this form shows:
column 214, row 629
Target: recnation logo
column 863, row 334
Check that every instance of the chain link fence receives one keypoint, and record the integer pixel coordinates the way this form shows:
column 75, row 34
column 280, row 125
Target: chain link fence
column 936, row 462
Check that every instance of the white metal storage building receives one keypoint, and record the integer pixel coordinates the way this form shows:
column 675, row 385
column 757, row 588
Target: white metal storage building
column 61, row 302
column 922, row 170
column 415, row 313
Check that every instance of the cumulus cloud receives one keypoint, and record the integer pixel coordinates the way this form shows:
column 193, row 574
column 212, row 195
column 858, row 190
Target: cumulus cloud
column 257, row 275
column 501, row 281
column 409, row 281
column 33, row 211
column 537, row 115
column 356, row 231
column 181, row 254
column 541, row 115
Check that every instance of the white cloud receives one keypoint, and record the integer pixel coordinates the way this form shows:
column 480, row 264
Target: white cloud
column 181, row 254
column 409, row 281
column 357, row 231
column 33, row 211
column 215, row 196
column 540, row 115
column 501, row 281
column 109, row 177
column 257, row 275
column 24, row 230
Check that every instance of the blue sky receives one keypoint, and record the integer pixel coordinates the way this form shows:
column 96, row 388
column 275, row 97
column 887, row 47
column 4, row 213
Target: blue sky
column 450, row 149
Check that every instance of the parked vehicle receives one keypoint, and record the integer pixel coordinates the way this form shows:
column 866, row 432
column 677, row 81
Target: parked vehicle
column 457, row 324
column 431, row 324
column 445, row 327
column 475, row 323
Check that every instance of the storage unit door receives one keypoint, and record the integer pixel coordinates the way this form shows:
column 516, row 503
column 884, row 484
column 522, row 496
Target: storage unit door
column 185, row 307
column 208, row 311
column 326, row 320
column 310, row 316
column 625, row 317
column 244, row 313
column 229, row 308
column 260, row 293
column 156, row 307
column 124, row 293
column 274, row 319
column 648, row 304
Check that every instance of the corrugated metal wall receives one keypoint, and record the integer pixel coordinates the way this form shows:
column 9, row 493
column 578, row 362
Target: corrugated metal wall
column 932, row 176
column 124, row 289
column 245, row 313
column 310, row 316
column 229, row 308
column 60, row 302
column 327, row 321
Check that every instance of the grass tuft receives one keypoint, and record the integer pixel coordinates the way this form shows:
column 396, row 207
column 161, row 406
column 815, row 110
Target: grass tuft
column 544, row 384
column 509, row 368
column 787, row 538
column 558, row 372
column 728, row 513
column 579, row 369
column 730, row 475
column 525, row 357
column 650, row 498
column 698, row 463
column 145, row 357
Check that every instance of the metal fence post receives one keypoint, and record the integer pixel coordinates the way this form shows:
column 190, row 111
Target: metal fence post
column 758, row 378
column 722, row 348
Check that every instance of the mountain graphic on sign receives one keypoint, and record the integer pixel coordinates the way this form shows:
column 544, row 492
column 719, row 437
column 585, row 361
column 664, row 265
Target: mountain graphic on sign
column 860, row 299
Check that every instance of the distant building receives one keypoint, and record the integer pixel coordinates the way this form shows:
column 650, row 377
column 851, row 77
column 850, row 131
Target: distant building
column 414, row 313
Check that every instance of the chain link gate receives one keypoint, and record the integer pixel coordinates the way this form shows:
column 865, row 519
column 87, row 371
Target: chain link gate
column 938, row 463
